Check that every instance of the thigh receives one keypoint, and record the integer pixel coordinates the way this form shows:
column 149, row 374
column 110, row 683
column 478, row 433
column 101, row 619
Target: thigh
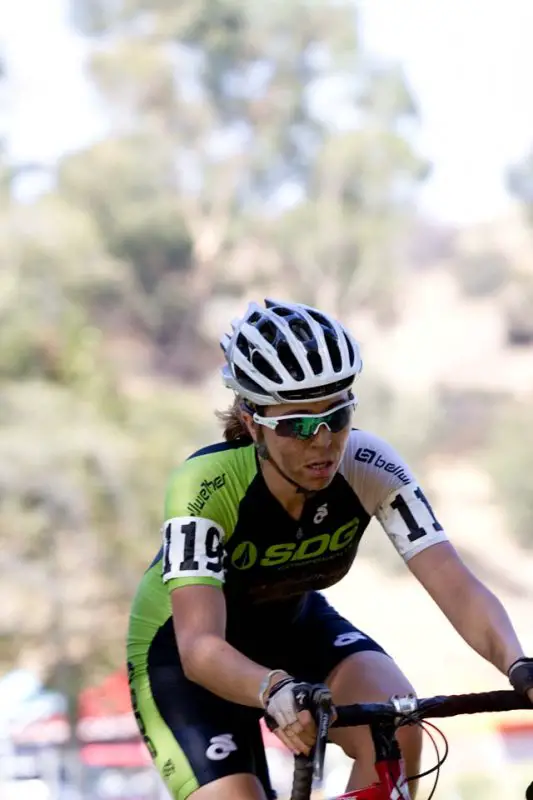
column 199, row 742
column 322, row 639
column 364, row 677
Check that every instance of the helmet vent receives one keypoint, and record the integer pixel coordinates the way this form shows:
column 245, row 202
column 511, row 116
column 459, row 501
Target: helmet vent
column 350, row 349
column 315, row 361
column 262, row 365
column 243, row 345
column 334, row 352
column 268, row 330
column 287, row 358
column 301, row 330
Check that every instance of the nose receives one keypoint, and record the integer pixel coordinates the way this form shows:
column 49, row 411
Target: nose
column 323, row 436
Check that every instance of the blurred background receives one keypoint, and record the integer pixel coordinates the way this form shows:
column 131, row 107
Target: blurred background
column 161, row 164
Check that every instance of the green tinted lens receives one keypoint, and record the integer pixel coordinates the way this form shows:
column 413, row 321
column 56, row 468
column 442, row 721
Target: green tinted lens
column 306, row 427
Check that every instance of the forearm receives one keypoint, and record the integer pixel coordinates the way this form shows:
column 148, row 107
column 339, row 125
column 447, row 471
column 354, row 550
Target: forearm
column 480, row 618
column 216, row 665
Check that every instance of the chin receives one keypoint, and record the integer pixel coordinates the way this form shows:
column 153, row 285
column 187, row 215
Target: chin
column 318, row 482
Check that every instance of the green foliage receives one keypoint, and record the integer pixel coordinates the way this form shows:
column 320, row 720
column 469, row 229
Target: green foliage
column 82, row 489
column 250, row 145
column 241, row 107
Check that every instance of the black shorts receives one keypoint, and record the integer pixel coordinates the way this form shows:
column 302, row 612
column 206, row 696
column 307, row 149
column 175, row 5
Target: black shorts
column 194, row 736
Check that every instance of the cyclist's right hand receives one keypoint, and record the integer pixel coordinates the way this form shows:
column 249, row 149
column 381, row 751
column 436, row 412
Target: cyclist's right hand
column 288, row 714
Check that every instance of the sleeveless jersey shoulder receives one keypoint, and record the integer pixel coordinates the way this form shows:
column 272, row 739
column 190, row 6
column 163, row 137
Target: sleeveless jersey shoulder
column 388, row 490
column 201, row 510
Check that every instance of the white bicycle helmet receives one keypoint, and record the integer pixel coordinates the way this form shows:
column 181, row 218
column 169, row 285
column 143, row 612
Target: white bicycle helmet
column 287, row 353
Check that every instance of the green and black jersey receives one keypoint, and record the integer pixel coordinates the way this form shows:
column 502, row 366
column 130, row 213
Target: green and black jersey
column 223, row 527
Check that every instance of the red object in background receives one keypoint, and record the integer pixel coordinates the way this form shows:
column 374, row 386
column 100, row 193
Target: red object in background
column 105, row 713
column 116, row 754
column 52, row 730
column 110, row 697
column 517, row 739
column 107, row 725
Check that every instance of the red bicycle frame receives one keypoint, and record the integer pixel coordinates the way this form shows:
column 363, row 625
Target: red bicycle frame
column 391, row 785
column 384, row 719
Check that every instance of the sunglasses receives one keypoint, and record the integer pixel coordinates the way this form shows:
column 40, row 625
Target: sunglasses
column 305, row 426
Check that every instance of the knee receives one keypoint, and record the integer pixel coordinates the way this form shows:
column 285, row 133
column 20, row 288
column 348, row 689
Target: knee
column 410, row 740
column 360, row 747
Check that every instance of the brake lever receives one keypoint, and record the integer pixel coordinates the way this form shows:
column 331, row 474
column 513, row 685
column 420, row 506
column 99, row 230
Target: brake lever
column 323, row 703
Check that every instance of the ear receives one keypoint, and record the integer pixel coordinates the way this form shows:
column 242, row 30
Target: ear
column 247, row 418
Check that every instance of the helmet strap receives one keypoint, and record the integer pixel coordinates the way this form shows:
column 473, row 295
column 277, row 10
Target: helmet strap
column 264, row 455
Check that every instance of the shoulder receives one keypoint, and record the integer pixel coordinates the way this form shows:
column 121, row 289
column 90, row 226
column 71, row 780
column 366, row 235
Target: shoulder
column 194, row 488
column 373, row 468
column 375, row 454
column 389, row 490
column 218, row 448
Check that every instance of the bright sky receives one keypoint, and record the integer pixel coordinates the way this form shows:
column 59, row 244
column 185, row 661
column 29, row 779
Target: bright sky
column 469, row 64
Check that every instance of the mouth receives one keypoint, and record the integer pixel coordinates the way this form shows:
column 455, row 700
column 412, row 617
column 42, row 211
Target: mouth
column 320, row 469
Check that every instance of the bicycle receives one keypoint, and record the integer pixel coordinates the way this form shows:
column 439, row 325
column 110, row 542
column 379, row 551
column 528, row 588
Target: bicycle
column 384, row 719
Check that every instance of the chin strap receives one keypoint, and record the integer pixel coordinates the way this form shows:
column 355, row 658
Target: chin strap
column 264, row 455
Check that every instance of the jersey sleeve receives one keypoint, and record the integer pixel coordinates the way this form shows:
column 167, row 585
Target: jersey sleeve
column 409, row 521
column 197, row 524
column 193, row 552
column 388, row 490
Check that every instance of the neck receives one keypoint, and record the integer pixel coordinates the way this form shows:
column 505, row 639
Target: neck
column 288, row 495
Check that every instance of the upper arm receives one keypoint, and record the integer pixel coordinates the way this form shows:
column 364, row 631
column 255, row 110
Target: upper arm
column 192, row 565
column 388, row 490
column 197, row 611
column 193, row 555
column 444, row 575
column 409, row 521
column 198, row 519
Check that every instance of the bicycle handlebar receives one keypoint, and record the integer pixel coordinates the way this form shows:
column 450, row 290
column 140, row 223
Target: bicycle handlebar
column 439, row 706
column 309, row 769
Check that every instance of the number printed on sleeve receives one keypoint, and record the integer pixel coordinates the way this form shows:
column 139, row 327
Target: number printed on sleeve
column 415, row 530
column 410, row 521
column 192, row 548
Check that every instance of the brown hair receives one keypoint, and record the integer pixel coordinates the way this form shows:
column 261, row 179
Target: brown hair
column 234, row 427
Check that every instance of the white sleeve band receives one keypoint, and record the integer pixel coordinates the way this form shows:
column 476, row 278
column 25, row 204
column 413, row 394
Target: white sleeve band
column 409, row 521
column 192, row 548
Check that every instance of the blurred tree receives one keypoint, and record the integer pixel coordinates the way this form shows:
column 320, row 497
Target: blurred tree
column 264, row 124
column 84, row 450
column 252, row 146
column 82, row 491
